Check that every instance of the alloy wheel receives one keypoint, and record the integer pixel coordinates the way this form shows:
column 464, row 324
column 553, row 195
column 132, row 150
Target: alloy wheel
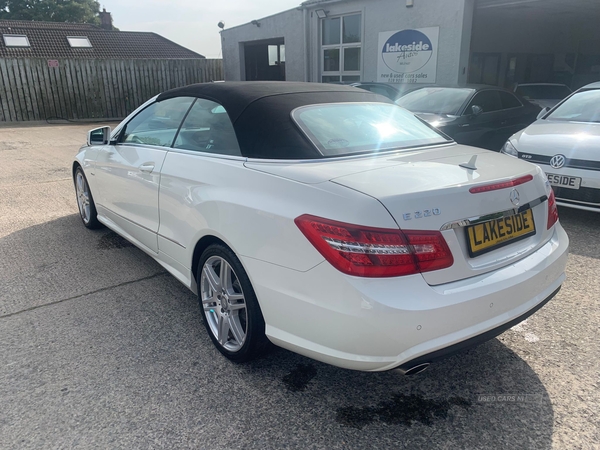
column 83, row 197
column 224, row 303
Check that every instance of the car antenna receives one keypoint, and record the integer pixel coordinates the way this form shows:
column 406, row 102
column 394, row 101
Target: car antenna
column 471, row 164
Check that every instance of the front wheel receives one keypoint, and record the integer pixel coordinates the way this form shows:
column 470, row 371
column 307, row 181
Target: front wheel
column 229, row 306
column 85, row 201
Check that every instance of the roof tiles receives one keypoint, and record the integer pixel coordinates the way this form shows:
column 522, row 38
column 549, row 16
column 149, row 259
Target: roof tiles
column 49, row 40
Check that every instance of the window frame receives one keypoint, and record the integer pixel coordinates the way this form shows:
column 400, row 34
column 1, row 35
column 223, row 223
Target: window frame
column 471, row 103
column 173, row 148
column 341, row 46
column 120, row 135
column 4, row 36
column 513, row 96
column 121, row 129
column 79, row 46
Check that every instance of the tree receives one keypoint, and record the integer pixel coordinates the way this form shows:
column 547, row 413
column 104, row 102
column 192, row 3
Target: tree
column 77, row 11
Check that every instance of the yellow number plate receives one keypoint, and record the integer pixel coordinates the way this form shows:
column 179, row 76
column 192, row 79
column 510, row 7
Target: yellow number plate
column 492, row 234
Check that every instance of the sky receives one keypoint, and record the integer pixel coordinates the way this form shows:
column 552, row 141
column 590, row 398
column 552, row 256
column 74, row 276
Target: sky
column 191, row 23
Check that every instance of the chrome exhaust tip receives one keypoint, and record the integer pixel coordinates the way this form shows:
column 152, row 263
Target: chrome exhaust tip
column 417, row 369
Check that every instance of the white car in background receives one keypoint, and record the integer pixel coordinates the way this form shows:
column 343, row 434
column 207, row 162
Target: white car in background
column 327, row 220
column 565, row 142
column 545, row 95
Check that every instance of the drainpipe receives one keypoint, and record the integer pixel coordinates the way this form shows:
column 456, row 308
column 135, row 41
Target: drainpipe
column 306, row 45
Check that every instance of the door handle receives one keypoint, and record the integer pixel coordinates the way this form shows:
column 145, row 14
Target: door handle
column 504, row 122
column 148, row 167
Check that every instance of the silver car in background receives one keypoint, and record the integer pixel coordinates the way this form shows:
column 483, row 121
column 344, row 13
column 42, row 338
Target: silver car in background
column 545, row 95
column 565, row 143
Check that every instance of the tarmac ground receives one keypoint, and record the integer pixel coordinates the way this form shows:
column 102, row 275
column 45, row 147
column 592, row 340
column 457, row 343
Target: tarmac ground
column 101, row 348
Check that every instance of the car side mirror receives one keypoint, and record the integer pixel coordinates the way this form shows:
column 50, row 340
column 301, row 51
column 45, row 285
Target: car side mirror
column 99, row 136
column 543, row 112
column 476, row 110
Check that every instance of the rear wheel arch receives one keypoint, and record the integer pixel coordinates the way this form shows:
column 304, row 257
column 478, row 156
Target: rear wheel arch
column 202, row 245
column 204, row 242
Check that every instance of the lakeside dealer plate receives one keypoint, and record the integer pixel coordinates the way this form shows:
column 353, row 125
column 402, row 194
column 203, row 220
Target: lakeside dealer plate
column 487, row 236
column 564, row 181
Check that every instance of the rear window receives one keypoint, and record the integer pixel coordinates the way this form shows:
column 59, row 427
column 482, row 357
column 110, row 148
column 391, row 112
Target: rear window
column 509, row 101
column 544, row 91
column 347, row 128
column 386, row 91
column 435, row 100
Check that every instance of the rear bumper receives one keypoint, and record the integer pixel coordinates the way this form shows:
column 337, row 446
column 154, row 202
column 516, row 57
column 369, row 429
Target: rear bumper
column 474, row 341
column 582, row 206
column 381, row 324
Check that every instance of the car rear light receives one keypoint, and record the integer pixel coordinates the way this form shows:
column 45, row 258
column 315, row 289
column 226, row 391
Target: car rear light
column 552, row 210
column 375, row 252
column 503, row 185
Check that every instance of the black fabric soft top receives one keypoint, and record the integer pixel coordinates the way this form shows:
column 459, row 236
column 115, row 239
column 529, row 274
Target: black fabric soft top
column 261, row 112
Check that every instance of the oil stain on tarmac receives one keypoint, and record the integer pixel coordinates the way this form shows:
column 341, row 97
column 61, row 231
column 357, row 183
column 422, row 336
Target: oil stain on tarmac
column 400, row 410
column 297, row 380
column 112, row 240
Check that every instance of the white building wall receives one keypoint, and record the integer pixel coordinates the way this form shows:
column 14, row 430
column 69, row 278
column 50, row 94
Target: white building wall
column 303, row 50
column 453, row 17
column 287, row 25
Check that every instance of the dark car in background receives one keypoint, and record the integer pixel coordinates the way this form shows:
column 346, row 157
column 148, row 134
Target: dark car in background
column 478, row 115
column 391, row 91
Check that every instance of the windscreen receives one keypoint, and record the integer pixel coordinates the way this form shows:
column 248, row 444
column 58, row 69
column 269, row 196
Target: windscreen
column 544, row 92
column 584, row 106
column 435, row 100
column 347, row 128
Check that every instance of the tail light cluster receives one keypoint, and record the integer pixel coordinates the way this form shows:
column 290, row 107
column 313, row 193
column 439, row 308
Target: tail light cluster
column 375, row 252
column 552, row 210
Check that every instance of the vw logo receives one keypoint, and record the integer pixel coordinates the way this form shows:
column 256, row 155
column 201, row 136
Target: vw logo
column 514, row 197
column 557, row 161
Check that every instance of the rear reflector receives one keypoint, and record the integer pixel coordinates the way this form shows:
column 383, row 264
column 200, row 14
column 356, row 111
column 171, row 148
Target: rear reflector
column 375, row 252
column 503, row 185
column 552, row 210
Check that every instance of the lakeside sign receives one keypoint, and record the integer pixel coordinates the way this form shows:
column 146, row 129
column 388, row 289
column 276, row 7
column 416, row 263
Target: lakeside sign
column 408, row 56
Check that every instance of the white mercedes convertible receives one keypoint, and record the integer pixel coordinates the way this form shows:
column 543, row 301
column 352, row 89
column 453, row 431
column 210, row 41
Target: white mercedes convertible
column 326, row 220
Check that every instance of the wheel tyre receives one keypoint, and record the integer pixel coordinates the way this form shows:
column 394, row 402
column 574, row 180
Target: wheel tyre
column 217, row 309
column 85, row 201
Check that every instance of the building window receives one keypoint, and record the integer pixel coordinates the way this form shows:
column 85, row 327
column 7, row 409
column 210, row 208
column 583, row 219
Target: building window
column 341, row 49
column 276, row 54
column 79, row 42
column 16, row 40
